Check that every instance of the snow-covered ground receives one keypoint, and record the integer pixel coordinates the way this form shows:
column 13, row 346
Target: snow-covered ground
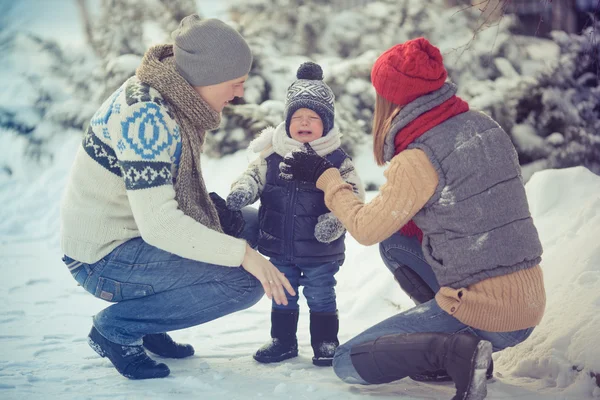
column 45, row 316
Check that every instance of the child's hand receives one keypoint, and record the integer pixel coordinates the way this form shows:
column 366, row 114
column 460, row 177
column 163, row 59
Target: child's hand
column 329, row 228
column 303, row 164
column 239, row 198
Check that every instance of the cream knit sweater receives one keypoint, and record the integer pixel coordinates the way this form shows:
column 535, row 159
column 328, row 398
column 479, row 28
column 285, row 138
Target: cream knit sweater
column 121, row 185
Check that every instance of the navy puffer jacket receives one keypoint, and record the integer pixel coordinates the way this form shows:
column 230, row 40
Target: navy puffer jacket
column 288, row 214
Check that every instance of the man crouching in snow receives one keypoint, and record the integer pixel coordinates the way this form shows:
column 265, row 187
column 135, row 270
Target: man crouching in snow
column 138, row 226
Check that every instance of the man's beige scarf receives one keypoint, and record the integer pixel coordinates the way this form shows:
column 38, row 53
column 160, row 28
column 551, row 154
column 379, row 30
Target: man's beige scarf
column 194, row 117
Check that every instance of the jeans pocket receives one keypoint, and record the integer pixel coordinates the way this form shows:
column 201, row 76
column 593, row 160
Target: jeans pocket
column 115, row 291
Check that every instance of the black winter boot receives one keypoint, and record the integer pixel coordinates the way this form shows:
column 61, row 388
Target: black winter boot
column 283, row 344
column 393, row 357
column 131, row 361
column 413, row 285
column 416, row 288
column 324, row 329
column 163, row 345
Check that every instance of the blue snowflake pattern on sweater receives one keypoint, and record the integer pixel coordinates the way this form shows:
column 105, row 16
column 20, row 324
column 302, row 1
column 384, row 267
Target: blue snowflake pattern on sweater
column 146, row 132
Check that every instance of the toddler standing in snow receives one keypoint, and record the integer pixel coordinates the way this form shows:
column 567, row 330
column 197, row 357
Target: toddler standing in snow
column 297, row 230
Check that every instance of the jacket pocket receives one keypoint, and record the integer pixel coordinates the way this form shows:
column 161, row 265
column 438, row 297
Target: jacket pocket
column 115, row 291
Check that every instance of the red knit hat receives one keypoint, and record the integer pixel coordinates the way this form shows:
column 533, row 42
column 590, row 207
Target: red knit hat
column 408, row 70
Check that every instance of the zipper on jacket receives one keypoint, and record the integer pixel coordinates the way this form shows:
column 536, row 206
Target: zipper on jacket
column 289, row 221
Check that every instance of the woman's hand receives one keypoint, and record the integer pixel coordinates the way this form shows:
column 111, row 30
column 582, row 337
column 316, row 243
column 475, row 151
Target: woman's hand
column 303, row 164
column 269, row 276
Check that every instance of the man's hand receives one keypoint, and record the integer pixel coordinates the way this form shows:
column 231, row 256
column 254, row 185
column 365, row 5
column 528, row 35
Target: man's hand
column 303, row 164
column 272, row 280
column 232, row 222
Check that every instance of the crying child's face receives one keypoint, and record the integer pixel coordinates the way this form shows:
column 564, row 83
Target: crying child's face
column 306, row 125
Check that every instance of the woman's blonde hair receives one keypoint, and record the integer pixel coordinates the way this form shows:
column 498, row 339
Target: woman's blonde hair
column 384, row 114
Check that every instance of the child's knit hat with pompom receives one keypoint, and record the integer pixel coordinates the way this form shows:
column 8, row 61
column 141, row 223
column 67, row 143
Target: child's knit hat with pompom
column 309, row 91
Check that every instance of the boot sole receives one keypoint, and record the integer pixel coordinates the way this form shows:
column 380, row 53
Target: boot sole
column 170, row 355
column 283, row 357
column 481, row 361
column 322, row 362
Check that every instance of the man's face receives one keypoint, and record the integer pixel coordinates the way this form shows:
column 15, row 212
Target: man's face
column 306, row 125
column 219, row 95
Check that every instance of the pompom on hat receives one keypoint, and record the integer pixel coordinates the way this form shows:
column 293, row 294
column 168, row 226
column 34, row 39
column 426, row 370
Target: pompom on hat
column 408, row 70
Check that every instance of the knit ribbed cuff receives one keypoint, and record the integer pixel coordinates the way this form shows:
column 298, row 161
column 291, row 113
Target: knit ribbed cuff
column 501, row 304
column 329, row 177
column 234, row 253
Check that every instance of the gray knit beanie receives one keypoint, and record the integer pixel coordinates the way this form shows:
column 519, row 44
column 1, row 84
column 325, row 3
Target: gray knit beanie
column 208, row 52
column 309, row 91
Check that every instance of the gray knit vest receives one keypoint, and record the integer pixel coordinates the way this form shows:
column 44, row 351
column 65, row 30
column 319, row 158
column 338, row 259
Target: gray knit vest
column 477, row 225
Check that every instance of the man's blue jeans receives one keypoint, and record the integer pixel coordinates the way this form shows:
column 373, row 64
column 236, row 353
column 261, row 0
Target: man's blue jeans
column 426, row 317
column 155, row 291
column 318, row 281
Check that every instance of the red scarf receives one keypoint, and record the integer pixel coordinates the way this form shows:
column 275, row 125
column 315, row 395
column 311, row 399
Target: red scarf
column 448, row 109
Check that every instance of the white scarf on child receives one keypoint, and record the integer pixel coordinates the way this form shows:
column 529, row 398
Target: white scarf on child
column 275, row 140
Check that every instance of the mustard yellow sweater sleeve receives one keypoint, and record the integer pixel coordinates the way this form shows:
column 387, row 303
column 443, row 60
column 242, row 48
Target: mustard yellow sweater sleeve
column 411, row 180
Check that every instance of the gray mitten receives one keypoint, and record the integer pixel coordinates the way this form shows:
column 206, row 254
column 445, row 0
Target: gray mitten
column 329, row 228
column 240, row 197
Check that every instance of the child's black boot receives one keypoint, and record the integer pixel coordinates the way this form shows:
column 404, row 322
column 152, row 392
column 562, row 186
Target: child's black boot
column 324, row 329
column 283, row 344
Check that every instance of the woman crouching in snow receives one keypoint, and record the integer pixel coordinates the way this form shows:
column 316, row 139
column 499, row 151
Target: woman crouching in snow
column 476, row 277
